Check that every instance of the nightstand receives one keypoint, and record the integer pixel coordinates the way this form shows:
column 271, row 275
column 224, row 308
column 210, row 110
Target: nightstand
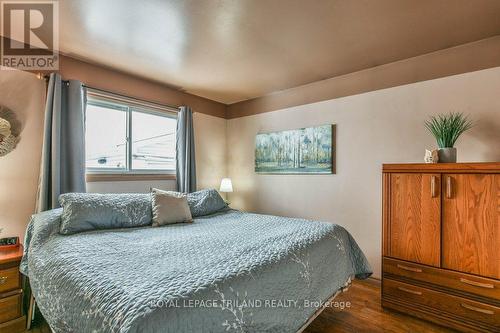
column 12, row 319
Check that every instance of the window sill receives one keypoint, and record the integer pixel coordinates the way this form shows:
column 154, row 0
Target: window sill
column 126, row 177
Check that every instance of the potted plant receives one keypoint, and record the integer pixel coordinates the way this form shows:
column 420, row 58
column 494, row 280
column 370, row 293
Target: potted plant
column 446, row 128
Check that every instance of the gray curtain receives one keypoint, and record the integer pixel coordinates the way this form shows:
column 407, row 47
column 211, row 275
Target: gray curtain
column 186, row 166
column 63, row 153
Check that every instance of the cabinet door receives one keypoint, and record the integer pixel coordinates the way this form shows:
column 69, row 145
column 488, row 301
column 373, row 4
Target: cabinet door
column 471, row 223
column 414, row 221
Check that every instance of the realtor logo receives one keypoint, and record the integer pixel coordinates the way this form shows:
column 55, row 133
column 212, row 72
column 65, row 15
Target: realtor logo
column 30, row 31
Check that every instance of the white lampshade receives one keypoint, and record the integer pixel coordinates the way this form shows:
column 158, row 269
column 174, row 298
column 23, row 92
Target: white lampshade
column 226, row 185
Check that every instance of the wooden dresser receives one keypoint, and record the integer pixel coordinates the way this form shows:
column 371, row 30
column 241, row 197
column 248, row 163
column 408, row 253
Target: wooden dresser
column 441, row 243
column 11, row 293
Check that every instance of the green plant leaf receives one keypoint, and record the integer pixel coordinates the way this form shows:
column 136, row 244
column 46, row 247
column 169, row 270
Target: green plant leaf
column 447, row 128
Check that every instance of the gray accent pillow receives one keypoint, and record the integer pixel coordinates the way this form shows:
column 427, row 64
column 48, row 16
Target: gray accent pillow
column 169, row 207
column 205, row 202
column 90, row 211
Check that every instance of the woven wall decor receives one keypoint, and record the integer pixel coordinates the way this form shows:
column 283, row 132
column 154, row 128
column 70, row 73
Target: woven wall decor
column 8, row 134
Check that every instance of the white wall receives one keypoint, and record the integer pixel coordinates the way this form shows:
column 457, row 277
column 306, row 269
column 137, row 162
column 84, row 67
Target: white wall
column 210, row 149
column 373, row 128
column 23, row 94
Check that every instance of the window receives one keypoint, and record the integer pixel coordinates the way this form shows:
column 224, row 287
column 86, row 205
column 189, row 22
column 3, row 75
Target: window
column 125, row 136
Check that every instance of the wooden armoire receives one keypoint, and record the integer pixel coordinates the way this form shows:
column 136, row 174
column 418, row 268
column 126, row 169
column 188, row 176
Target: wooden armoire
column 441, row 243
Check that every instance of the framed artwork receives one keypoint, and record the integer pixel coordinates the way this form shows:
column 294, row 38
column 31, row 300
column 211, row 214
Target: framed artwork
column 309, row 150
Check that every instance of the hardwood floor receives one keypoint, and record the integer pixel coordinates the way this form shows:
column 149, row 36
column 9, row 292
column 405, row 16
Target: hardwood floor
column 364, row 315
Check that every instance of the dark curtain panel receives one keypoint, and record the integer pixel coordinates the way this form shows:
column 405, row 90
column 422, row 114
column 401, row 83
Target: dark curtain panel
column 63, row 154
column 186, row 165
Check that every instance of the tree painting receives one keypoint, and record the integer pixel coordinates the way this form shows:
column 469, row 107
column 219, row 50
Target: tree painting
column 304, row 150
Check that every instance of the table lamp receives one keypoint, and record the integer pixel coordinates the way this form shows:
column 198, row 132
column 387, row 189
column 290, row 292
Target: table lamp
column 226, row 186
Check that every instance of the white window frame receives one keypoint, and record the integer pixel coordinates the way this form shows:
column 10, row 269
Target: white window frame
column 128, row 105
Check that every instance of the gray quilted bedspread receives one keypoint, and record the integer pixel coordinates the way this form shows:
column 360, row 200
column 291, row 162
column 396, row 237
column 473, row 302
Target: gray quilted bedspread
column 228, row 272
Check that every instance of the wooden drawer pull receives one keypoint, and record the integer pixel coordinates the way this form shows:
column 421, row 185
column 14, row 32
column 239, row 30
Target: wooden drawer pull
column 477, row 284
column 448, row 187
column 473, row 308
column 433, row 186
column 410, row 291
column 3, row 279
column 411, row 269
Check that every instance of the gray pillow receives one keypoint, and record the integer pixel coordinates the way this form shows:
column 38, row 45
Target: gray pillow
column 89, row 211
column 169, row 207
column 205, row 202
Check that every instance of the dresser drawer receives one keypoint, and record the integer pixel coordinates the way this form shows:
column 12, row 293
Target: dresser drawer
column 481, row 286
column 17, row 325
column 443, row 303
column 10, row 308
column 9, row 279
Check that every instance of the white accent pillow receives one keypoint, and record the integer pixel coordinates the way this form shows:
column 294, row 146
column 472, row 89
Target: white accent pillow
column 169, row 207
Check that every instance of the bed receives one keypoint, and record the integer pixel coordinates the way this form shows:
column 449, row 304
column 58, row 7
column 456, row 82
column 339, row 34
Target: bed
column 227, row 272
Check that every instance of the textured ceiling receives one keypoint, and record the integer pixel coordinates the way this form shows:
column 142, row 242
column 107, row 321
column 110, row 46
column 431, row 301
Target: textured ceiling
column 232, row 50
